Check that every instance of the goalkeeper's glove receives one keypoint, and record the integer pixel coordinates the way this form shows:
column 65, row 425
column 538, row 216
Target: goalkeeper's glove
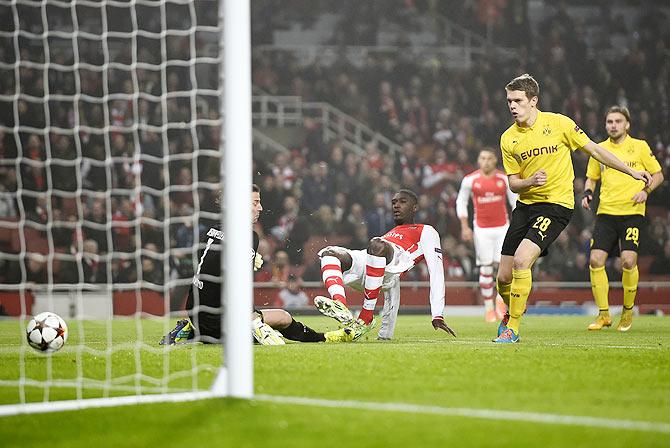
column 438, row 322
column 258, row 261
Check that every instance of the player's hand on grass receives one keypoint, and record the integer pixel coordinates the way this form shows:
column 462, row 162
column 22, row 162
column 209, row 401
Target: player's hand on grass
column 539, row 178
column 439, row 323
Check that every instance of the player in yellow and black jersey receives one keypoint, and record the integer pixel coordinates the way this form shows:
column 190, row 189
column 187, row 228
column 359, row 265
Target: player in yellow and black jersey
column 620, row 221
column 536, row 152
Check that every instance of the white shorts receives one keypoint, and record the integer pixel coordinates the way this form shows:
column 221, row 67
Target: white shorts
column 488, row 244
column 355, row 277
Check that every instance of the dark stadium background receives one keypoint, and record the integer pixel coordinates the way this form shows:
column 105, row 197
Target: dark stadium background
column 351, row 101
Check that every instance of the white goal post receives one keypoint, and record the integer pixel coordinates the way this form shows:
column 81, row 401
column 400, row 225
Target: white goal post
column 33, row 23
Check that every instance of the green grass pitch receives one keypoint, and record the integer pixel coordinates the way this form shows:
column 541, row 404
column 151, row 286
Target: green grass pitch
column 559, row 368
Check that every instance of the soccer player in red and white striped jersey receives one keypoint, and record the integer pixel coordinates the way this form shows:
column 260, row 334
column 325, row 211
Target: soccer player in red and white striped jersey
column 488, row 187
column 378, row 267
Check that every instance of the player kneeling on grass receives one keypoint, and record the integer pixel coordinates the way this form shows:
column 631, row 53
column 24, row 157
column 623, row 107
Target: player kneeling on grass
column 620, row 221
column 379, row 267
column 204, row 302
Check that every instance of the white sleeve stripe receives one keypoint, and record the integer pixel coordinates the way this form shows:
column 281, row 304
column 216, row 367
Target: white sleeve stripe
column 331, row 273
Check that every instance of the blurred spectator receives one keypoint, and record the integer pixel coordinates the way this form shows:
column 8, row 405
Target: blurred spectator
column 280, row 267
column 291, row 296
column 440, row 116
column 152, row 269
column 324, row 221
column 379, row 220
column 292, row 230
column 578, row 271
column 317, row 188
column 661, row 264
column 7, row 204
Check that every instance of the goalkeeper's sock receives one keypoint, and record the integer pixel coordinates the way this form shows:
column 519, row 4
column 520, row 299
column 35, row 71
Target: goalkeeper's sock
column 331, row 273
column 297, row 331
column 504, row 290
column 600, row 288
column 629, row 280
column 374, row 278
column 522, row 282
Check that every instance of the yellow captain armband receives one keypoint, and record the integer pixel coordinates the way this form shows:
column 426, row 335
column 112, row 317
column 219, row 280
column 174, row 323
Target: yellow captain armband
column 647, row 190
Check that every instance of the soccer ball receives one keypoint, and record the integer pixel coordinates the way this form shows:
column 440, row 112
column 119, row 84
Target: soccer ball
column 46, row 332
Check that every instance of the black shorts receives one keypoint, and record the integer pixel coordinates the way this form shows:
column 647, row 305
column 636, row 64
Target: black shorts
column 541, row 223
column 625, row 230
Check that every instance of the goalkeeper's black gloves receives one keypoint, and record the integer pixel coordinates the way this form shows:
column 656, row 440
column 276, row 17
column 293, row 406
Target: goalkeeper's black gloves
column 588, row 195
column 438, row 322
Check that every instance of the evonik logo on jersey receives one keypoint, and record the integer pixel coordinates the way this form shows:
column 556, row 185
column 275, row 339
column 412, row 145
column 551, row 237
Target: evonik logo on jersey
column 539, row 151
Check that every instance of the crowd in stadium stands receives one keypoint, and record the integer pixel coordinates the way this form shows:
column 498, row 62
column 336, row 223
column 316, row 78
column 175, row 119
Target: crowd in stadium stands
column 441, row 118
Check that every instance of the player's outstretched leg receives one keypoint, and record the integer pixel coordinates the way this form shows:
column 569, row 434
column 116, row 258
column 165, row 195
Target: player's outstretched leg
column 333, row 308
column 265, row 334
column 378, row 257
column 345, row 334
column 522, row 283
column 182, row 333
column 331, row 274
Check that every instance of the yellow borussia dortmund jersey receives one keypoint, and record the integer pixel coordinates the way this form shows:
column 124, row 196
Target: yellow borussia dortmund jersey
column 546, row 145
column 616, row 188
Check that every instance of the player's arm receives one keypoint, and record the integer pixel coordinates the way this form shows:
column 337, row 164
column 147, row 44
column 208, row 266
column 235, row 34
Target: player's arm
column 518, row 184
column 432, row 253
column 512, row 169
column 589, row 187
column 607, row 158
column 462, row 207
column 642, row 195
column 511, row 196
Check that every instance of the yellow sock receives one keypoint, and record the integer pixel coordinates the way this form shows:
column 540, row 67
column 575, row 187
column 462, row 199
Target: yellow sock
column 522, row 282
column 503, row 290
column 629, row 281
column 600, row 287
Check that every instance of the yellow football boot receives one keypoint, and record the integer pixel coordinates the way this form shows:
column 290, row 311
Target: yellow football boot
column 601, row 321
column 626, row 319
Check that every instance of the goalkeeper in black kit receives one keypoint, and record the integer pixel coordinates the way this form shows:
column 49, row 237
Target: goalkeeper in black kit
column 204, row 306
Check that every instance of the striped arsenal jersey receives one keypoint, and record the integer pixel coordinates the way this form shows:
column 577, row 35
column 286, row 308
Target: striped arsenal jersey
column 488, row 196
column 422, row 242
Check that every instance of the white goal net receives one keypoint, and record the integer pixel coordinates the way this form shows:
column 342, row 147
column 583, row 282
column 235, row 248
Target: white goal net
column 110, row 169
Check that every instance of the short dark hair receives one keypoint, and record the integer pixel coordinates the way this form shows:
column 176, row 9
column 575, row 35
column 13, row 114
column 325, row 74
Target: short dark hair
column 409, row 193
column 623, row 110
column 219, row 194
column 525, row 83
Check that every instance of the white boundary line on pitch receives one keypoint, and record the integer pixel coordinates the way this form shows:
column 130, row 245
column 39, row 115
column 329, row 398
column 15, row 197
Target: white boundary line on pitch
column 566, row 345
column 489, row 414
